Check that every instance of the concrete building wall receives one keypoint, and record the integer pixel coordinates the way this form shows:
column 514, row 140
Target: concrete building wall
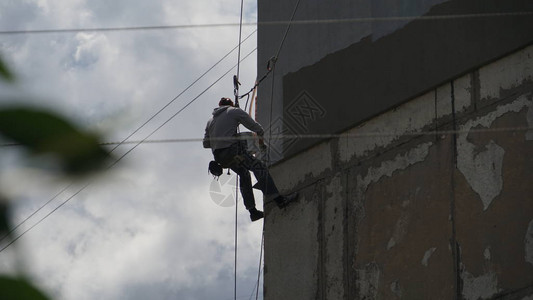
column 431, row 199
column 368, row 57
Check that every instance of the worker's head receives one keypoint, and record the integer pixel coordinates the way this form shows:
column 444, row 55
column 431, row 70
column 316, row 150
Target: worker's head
column 225, row 101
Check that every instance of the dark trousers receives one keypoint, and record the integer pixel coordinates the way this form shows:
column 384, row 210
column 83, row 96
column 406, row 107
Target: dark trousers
column 241, row 162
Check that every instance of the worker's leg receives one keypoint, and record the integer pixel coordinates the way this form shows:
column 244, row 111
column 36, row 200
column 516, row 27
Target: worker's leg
column 228, row 157
column 265, row 183
column 245, row 183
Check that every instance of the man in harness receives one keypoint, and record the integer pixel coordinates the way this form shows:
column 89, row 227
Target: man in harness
column 229, row 152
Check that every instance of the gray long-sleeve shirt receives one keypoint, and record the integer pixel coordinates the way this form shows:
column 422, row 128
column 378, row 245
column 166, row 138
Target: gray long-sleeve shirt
column 221, row 129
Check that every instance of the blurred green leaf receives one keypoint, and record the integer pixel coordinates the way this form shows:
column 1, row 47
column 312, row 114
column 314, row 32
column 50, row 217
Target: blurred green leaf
column 4, row 71
column 46, row 133
column 19, row 289
column 4, row 221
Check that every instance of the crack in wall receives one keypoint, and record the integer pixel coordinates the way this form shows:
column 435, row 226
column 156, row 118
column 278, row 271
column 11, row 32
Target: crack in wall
column 528, row 240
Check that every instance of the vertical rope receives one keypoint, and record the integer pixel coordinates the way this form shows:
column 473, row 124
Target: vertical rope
column 260, row 260
column 236, row 83
column 270, row 133
column 240, row 37
column 288, row 28
column 236, row 91
column 236, row 213
column 236, row 78
column 274, row 73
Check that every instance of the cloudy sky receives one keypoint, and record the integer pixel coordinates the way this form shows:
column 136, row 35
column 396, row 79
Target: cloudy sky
column 149, row 228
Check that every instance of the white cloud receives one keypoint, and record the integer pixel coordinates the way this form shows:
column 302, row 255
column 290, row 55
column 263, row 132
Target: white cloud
column 149, row 227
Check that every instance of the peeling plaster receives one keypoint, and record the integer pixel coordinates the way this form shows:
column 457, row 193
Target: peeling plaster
column 529, row 133
column 487, row 253
column 483, row 170
column 396, row 289
column 427, row 255
column 334, row 239
column 387, row 128
column 506, row 73
column 407, row 119
column 368, row 278
column 367, row 282
column 481, row 287
column 399, row 231
column 529, row 243
column 307, row 164
column 386, row 168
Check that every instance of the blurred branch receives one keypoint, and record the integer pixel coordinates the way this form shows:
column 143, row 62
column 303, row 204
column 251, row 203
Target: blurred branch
column 4, row 72
column 44, row 132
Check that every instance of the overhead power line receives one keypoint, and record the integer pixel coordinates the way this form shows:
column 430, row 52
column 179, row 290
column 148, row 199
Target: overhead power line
column 267, row 23
column 126, row 153
column 124, row 140
column 117, row 144
column 319, row 136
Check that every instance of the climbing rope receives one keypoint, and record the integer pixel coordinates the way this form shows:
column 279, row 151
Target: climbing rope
column 270, row 69
column 236, row 82
column 236, row 93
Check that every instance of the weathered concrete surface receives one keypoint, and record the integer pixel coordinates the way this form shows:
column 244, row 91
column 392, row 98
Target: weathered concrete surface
column 431, row 200
column 420, row 115
column 404, row 230
column 410, row 61
column 498, row 78
column 292, row 250
column 311, row 165
column 529, row 243
column 482, row 164
column 491, row 232
column 334, row 240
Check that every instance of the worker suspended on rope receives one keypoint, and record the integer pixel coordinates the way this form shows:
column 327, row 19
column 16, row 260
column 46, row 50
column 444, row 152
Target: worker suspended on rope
column 230, row 152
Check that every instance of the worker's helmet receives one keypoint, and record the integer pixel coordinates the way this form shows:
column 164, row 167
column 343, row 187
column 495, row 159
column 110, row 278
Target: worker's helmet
column 225, row 101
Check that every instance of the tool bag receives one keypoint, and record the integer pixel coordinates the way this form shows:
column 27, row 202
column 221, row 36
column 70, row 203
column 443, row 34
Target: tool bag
column 215, row 169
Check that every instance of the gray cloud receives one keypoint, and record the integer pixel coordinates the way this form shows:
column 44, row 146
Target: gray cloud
column 148, row 227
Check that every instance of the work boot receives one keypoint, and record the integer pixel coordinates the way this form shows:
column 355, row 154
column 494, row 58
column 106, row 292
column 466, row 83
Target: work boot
column 283, row 201
column 255, row 214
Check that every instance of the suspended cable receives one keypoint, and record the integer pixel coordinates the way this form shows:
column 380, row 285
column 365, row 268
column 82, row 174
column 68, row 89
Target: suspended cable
column 273, row 74
column 35, row 212
column 271, row 69
column 240, row 35
column 268, row 23
column 189, row 86
column 43, row 218
column 260, row 261
column 323, row 136
column 236, row 236
column 279, row 50
column 241, row 24
column 288, row 28
column 125, row 154
column 117, row 144
column 236, row 93
column 312, row 136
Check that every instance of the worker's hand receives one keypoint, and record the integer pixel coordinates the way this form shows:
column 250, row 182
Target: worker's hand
column 262, row 145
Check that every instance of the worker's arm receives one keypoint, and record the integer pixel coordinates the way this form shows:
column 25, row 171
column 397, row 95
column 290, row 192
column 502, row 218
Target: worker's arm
column 261, row 141
column 249, row 123
column 206, row 141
